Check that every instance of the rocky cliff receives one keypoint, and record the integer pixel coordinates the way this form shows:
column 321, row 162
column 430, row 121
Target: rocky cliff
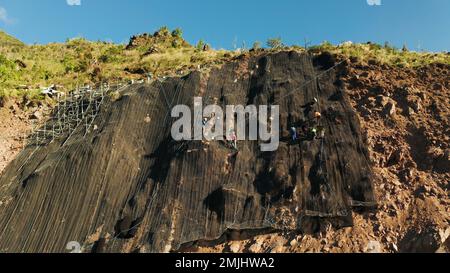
column 127, row 186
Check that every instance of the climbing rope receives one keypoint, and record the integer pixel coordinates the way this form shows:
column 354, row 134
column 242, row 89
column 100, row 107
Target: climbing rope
column 177, row 94
column 310, row 81
column 164, row 94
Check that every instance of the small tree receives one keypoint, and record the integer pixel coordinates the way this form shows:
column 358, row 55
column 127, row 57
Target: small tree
column 200, row 45
column 163, row 31
column 326, row 45
column 405, row 48
column 177, row 33
column 274, row 43
column 256, row 45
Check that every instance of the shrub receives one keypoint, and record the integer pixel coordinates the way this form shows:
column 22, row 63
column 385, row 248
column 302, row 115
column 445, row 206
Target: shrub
column 200, row 45
column 177, row 43
column 326, row 45
column 7, row 69
column 405, row 48
column 69, row 64
column 256, row 45
column 163, row 31
column 177, row 33
column 46, row 75
column 110, row 55
column 274, row 43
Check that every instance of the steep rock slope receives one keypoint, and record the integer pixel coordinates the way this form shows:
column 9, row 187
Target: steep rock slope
column 127, row 186
column 404, row 112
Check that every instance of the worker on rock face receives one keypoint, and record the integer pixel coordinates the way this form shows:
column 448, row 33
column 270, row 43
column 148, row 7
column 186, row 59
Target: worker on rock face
column 293, row 132
column 232, row 138
column 304, row 126
column 309, row 106
column 320, row 132
column 314, row 119
column 313, row 133
column 317, row 115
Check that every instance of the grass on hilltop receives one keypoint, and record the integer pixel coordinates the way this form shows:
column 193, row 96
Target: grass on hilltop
column 384, row 54
column 80, row 62
column 25, row 69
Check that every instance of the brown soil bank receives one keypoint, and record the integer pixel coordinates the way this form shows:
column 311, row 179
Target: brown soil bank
column 127, row 186
column 405, row 115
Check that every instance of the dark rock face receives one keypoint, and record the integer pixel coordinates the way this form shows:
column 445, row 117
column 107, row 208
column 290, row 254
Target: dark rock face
column 138, row 190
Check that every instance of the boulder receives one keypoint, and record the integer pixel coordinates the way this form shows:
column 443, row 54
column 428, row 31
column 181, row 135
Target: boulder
column 235, row 247
column 37, row 115
column 389, row 109
column 373, row 247
column 255, row 248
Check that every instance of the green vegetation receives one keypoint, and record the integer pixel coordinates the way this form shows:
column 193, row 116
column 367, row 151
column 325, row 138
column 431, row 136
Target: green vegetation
column 256, row 45
column 200, row 45
column 275, row 43
column 8, row 40
column 384, row 54
column 177, row 33
column 26, row 69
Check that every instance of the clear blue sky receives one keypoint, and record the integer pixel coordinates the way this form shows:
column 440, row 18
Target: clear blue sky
column 416, row 23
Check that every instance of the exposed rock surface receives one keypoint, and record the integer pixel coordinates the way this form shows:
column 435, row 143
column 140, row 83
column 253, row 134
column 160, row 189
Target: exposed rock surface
column 409, row 152
column 129, row 186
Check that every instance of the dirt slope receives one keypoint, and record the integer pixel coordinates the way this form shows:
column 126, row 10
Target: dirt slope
column 127, row 186
column 15, row 125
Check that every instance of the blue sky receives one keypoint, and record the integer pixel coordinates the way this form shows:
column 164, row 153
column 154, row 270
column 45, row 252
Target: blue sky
column 420, row 24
